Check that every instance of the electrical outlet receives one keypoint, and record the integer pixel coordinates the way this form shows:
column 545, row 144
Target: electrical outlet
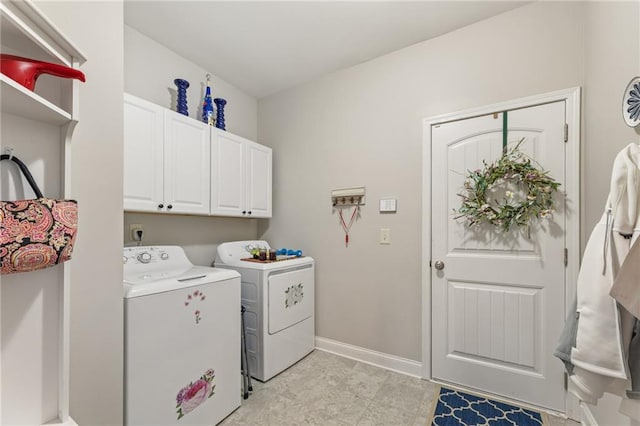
column 137, row 232
column 385, row 236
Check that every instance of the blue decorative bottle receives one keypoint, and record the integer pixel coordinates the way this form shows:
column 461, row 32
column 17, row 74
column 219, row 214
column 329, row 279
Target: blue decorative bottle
column 181, row 106
column 220, row 103
column 207, row 105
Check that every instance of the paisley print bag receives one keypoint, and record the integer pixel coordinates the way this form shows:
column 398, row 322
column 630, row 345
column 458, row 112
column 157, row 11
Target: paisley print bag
column 38, row 233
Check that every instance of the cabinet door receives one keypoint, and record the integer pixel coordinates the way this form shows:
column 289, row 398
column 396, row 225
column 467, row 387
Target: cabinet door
column 227, row 174
column 186, row 165
column 258, row 180
column 143, row 155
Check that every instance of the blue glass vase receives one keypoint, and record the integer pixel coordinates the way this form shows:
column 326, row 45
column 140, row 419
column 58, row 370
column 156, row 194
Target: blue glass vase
column 207, row 104
column 220, row 103
column 181, row 106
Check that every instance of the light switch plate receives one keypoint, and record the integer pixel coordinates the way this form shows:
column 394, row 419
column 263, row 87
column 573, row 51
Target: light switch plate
column 385, row 236
column 388, row 205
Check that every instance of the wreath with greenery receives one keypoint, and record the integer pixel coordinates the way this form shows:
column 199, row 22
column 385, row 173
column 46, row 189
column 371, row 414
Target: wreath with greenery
column 513, row 168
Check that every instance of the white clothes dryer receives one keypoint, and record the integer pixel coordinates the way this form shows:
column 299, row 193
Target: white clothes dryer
column 279, row 301
column 182, row 339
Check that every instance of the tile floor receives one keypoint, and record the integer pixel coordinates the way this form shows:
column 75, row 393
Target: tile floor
column 326, row 389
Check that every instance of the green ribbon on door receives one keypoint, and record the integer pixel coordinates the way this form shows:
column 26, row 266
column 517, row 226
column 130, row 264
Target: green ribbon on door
column 504, row 133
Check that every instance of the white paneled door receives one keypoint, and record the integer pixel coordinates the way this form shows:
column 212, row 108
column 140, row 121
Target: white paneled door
column 498, row 302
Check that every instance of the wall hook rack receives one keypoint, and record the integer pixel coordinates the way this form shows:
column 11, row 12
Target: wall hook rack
column 346, row 197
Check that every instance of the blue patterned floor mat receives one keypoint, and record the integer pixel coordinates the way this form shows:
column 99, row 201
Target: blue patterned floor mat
column 456, row 408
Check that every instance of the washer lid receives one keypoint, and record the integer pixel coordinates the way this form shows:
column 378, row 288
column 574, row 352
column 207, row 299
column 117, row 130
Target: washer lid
column 153, row 282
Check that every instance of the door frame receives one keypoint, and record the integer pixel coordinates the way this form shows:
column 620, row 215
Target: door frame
column 572, row 187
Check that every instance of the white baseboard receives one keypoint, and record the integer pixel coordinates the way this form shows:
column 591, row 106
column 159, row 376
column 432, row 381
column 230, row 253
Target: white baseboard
column 586, row 417
column 379, row 359
column 58, row 422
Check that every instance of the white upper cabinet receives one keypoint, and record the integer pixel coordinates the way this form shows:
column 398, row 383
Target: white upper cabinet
column 227, row 174
column 186, row 164
column 143, row 155
column 166, row 160
column 240, row 176
column 175, row 164
column 258, row 180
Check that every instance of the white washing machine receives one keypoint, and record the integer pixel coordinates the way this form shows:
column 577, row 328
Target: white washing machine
column 182, row 339
column 279, row 301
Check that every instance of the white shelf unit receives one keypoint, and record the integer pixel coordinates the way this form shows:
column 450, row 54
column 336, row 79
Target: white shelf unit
column 20, row 101
column 35, row 306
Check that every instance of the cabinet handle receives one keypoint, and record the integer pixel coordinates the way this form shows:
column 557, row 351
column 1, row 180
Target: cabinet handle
column 169, row 207
column 160, row 206
column 249, row 211
column 244, row 212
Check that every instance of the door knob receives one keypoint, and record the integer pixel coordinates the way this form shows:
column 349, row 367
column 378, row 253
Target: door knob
column 439, row 265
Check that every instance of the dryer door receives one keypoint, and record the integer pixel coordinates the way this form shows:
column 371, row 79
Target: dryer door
column 290, row 297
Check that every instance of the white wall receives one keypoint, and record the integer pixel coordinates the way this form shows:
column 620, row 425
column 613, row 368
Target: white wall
column 363, row 126
column 612, row 58
column 198, row 235
column 96, row 287
column 149, row 70
column 360, row 126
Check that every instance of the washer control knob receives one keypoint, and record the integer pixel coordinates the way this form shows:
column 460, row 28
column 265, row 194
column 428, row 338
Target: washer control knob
column 144, row 257
column 164, row 256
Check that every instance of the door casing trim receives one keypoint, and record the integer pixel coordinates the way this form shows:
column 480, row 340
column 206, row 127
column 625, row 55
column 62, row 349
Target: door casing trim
column 573, row 177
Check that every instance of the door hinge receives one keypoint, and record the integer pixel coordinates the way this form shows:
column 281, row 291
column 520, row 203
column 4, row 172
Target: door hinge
column 429, row 263
column 566, row 256
column 566, row 132
column 566, row 381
